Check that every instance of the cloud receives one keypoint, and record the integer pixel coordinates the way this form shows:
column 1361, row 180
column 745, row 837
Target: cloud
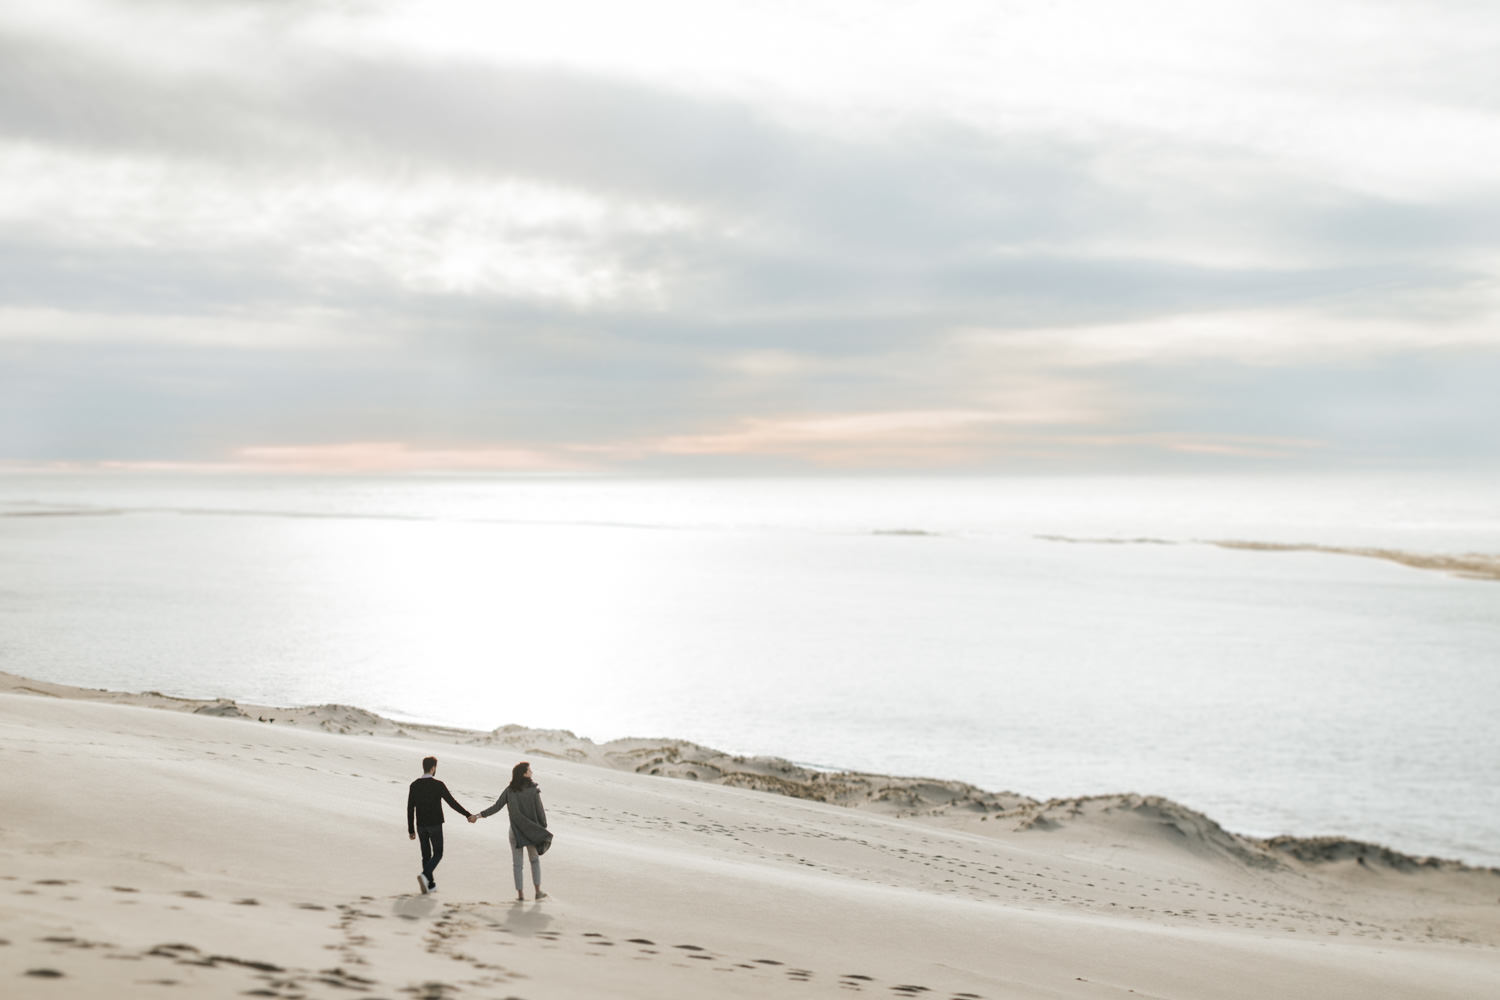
column 284, row 227
column 1315, row 334
column 395, row 456
column 295, row 331
column 442, row 175
column 1227, row 445
column 841, row 439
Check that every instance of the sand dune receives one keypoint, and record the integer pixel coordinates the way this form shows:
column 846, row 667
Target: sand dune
column 1471, row 565
column 202, row 852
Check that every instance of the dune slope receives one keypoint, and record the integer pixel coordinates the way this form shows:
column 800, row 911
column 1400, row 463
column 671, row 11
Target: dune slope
column 151, row 853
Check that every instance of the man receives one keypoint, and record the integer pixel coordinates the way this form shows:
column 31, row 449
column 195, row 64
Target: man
column 424, row 819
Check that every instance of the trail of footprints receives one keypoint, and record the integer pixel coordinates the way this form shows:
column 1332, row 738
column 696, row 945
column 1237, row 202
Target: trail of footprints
column 1110, row 888
column 459, row 924
column 470, row 935
column 979, row 878
column 467, row 934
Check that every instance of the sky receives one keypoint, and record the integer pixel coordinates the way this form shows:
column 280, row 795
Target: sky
column 749, row 237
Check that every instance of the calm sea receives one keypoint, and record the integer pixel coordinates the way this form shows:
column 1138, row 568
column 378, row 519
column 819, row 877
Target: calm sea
column 915, row 626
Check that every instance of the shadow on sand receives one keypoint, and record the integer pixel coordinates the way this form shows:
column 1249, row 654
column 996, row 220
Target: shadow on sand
column 527, row 920
column 414, row 907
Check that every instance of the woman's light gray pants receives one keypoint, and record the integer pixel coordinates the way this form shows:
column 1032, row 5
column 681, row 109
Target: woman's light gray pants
column 515, row 861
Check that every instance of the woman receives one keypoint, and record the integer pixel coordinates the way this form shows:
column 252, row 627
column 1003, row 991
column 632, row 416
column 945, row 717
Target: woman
column 528, row 825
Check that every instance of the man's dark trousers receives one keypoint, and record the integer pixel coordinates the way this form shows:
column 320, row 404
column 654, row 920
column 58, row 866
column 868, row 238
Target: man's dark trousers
column 430, row 838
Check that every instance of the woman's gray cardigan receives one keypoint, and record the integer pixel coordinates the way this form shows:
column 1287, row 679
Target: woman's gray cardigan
column 528, row 820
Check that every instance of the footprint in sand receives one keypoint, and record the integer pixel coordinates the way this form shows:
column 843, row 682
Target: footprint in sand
column 44, row 973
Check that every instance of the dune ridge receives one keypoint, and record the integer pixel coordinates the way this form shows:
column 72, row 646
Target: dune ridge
column 918, row 798
column 901, row 797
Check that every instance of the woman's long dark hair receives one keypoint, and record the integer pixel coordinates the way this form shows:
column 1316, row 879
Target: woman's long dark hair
column 518, row 779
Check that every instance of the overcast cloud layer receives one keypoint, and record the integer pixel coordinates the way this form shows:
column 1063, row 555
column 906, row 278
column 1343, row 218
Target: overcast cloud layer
column 728, row 237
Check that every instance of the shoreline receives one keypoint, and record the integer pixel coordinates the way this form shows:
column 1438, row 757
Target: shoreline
column 897, row 796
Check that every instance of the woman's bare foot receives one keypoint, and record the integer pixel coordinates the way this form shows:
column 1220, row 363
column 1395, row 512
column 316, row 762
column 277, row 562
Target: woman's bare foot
column 540, row 894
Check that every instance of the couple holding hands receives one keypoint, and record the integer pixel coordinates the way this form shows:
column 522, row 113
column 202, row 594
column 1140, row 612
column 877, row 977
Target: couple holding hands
column 528, row 822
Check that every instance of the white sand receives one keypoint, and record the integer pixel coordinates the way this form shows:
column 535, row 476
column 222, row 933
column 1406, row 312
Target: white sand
column 156, row 853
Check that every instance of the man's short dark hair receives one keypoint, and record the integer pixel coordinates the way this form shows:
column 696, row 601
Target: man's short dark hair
column 428, row 763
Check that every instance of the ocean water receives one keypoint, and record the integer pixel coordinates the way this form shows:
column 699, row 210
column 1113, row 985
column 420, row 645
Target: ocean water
column 913, row 626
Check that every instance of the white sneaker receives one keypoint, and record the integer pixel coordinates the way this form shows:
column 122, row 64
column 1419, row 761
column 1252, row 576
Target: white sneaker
column 422, row 883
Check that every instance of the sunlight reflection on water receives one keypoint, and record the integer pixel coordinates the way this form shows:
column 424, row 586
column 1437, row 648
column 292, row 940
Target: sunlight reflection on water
column 1278, row 692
